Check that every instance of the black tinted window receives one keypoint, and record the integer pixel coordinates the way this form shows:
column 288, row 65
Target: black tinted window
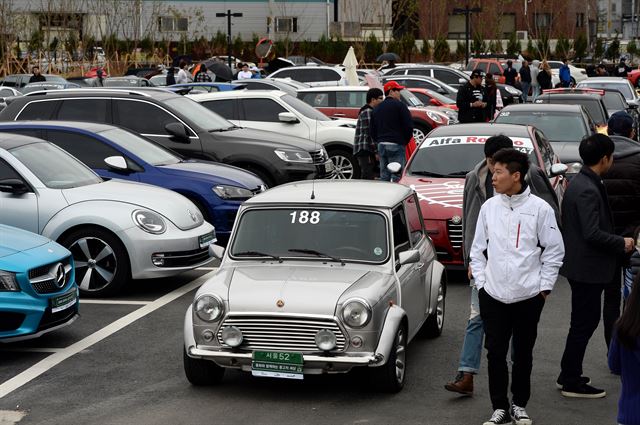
column 400, row 232
column 446, row 77
column 224, row 108
column 351, row 99
column 420, row 84
column 328, row 75
column 261, row 110
column 92, row 110
column 290, row 73
column 40, row 110
column 260, row 86
column 87, row 149
column 423, row 72
column 7, row 172
column 415, row 219
column 495, row 69
column 9, row 82
column 142, row 117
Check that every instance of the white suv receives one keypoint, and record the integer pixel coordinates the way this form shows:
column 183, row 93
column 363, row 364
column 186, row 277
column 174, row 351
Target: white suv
column 277, row 111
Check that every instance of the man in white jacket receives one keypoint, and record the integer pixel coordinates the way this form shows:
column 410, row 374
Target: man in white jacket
column 516, row 254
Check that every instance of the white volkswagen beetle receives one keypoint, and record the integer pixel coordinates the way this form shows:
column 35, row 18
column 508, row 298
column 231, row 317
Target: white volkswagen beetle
column 116, row 230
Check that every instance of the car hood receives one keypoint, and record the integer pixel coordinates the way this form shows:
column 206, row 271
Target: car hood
column 302, row 289
column 213, row 172
column 14, row 240
column 175, row 207
column 268, row 137
column 440, row 198
column 566, row 151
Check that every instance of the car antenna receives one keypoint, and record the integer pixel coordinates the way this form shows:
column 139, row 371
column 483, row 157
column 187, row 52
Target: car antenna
column 313, row 182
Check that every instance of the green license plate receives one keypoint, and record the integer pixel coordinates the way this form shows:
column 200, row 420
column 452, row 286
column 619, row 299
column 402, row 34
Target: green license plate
column 64, row 301
column 277, row 364
column 206, row 240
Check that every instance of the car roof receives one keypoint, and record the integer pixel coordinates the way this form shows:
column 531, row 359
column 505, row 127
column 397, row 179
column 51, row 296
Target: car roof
column 334, row 88
column 546, row 107
column 9, row 140
column 237, row 93
column 82, row 125
column 352, row 193
column 481, row 129
column 308, row 67
column 573, row 95
column 149, row 92
column 604, row 79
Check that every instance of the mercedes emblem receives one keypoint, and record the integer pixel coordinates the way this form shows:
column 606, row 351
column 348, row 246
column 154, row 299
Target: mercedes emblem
column 60, row 276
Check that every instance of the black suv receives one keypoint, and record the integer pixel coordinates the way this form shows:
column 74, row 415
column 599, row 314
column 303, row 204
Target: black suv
column 592, row 100
column 182, row 125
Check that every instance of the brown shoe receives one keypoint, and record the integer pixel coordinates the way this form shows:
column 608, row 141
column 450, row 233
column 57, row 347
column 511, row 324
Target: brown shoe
column 463, row 384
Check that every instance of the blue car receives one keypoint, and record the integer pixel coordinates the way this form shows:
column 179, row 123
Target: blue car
column 112, row 152
column 38, row 292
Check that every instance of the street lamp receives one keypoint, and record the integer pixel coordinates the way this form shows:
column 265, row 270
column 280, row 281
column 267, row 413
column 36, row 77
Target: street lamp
column 229, row 15
column 466, row 11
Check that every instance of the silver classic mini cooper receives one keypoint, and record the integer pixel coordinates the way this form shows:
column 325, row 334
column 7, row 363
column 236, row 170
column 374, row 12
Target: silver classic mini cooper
column 318, row 277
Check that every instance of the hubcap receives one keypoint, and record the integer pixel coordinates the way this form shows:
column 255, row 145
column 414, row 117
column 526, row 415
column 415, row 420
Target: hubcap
column 401, row 355
column 95, row 263
column 418, row 135
column 344, row 167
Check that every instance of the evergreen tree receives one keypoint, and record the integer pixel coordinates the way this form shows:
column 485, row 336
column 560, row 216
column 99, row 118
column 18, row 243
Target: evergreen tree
column 513, row 45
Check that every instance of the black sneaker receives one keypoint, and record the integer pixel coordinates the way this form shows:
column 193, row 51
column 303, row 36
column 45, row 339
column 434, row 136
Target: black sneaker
column 519, row 415
column 584, row 380
column 500, row 416
column 582, row 391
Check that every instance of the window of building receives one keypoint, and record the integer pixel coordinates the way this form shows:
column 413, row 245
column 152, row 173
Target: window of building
column 456, row 27
column 173, row 24
column 579, row 20
column 286, row 24
column 508, row 24
column 543, row 20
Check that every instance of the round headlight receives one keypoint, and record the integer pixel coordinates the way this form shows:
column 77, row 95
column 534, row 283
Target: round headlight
column 325, row 340
column 149, row 221
column 356, row 313
column 232, row 336
column 208, row 308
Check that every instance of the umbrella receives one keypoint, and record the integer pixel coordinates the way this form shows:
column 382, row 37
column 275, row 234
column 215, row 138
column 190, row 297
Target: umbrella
column 221, row 70
column 389, row 56
column 350, row 64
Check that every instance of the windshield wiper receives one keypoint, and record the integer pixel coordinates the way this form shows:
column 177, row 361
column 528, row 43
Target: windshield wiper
column 458, row 173
column 317, row 253
column 427, row 173
column 257, row 254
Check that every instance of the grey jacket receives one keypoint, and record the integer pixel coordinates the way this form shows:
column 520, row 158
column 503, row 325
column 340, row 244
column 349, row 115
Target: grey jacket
column 475, row 194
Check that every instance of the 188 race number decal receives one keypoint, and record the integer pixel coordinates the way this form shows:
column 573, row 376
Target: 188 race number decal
column 305, row 217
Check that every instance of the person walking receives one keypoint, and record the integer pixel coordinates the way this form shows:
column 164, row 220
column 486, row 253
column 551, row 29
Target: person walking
column 492, row 97
column 622, row 182
column 525, row 80
column 201, row 75
column 470, row 100
column 535, row 86
column 593, row 252
column 99, row 82
column 544, row 76
column 36, row 77
column 171, row 78
column 565, row 74
column 183, row 75
column 510, row 74
column 364, row 148
column 624, row 360
column 524, row 250
column 391, row 130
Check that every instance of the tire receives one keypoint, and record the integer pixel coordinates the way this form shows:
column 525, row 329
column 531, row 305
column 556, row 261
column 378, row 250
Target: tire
column 390, row 377
column 101, row 261
column 433, row 326
column 420, row 132
column 347, row 167
column 201, row 372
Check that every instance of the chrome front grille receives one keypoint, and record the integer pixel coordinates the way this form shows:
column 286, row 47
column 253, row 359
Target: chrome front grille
column 318, row 156
column 455, row 234
column 282, row 333
column 45, row 279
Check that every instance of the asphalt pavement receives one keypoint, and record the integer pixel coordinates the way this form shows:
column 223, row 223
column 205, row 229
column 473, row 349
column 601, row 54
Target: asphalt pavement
column 121, row 363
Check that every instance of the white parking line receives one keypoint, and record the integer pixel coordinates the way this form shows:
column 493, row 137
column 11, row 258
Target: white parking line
column 29, row 350
column 56, row 358
column 115, row 302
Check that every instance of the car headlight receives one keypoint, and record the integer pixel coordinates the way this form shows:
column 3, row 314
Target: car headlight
column 436, row 117
column 8, row 281
column 512, row 90
column 574, row 167
column 356, row 313
column 325, row 340
column 231, row 192
column 149, row 221
column 294, row 156
column 208, row 308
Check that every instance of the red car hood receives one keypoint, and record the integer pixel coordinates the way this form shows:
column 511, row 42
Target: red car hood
column 440, row 198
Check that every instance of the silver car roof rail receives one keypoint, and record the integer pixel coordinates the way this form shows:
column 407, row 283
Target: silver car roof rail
column 96, row 89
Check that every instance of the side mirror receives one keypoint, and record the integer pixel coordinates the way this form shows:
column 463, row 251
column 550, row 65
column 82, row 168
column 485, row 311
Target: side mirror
column 288, row 117
column 462, row 80
column 117, row 162
column 434, row 102
column 178, row 131
column 442, row 91
column 558, row 170
column 15, row 186
column 410, row 256
column 394, row 167
column 216, row 251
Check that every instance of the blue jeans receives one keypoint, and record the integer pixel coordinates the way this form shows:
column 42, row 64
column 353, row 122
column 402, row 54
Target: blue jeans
column 473, row 337
column 525, row 90
column 389, row 153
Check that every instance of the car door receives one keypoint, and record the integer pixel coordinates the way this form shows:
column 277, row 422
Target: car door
column 448, row 77
column 18, row 210
column 421, row 243
column 323, row 101
column 263, row 113
column 82, row 109
column 348, row 103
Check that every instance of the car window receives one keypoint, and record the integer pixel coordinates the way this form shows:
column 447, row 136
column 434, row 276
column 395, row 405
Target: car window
column 264, row 110
column 9, row 81
column 471, row 65
column 624, row 88
column 395, row 72
column 495, row 69
column 86, row 148
column 400, row 231
column 142, row 117
column 306, row 110
column 38, row 110
column 557, row 126
column 6, row 92
column 315, row 99
column 197, row 114
column 445, row 76
column 593, row 107
column 224, row 108
column 426, row 100
column 545, row 151
column 91, row 110
column 290, row 73
column 7, row 171
column 414, row 217
column 145, row 149
column 423, row 72
column 327, row 75
column 351, row 99
column 614, row 101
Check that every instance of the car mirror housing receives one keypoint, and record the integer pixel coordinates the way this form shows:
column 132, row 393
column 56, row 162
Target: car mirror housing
column 558, row 170
column 15, row 186
column 394, row 167
column 216, row 251
column 178, row 131
column 288, row 117
column 117, row 162
column 410, row 256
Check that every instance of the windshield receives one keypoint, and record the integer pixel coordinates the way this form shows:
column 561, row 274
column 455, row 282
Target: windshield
column 55, row 168
column 55, row 79
column 144, row 149
column 455, row 156
column 198, row 114
column 623, row 87
column 410, row 99
column 557, row 126
column 121, row 82
column 592, row 106
column 30, row 88
column 347, row 235
column 614, row 101
column 306, row 110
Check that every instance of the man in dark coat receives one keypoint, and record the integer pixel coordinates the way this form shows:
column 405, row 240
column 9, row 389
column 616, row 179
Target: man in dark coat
column 622, row 69
column 470, row 99
column 510, row 74
column 592, row 254
column 37, row 77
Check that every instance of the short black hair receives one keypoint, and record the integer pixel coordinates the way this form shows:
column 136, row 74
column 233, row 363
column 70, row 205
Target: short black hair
column 373, row 93
column 595, row 147
column 514, row 160
column 495, row 143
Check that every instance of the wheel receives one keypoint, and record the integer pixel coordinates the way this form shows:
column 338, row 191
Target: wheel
column 201, row 372
column 347, row 167
column 420, row 133
column 101, row 261
column 390, row 377
column 432, row 327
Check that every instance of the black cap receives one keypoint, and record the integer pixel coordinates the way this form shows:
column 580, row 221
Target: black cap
column 476, row 73
column 620, row 123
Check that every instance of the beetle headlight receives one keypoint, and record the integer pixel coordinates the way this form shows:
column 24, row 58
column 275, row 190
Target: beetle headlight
column 436, row 117
column 325, row 340
column 149, row 221
column 232, row 336
column 356, row 313
column 574, row 167
column 231, row 192
column 294, row 156
column 208, row 308
column 8, row 281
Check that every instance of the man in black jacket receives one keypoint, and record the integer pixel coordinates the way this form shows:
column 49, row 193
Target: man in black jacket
column 592, row 254
column 470, row 99
column 37, row 77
